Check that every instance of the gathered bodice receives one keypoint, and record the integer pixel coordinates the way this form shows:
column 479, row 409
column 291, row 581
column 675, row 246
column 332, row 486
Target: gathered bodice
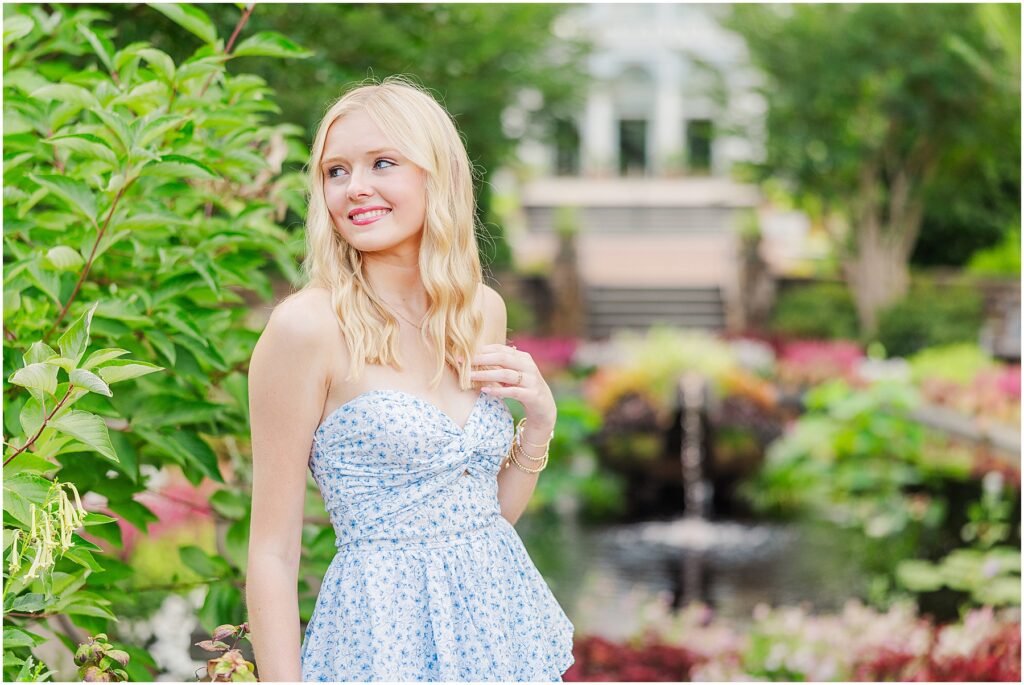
column 396, row 471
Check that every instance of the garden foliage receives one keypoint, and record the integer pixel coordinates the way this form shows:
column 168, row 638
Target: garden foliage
column 859, row 460
column 822, row 310
column 141, row 201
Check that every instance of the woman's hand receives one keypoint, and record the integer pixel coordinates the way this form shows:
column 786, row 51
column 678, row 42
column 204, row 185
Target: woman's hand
column 519, row 378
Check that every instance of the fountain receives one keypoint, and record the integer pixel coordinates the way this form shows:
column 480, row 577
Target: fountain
column 691, row 544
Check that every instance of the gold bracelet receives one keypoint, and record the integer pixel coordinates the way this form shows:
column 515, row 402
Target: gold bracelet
column 519, row 435
column 512, row 460
column 543, row 460
column 527, row 469
column 522, row 452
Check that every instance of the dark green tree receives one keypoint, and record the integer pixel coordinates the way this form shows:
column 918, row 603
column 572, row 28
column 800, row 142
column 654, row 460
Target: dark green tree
column 876, row 111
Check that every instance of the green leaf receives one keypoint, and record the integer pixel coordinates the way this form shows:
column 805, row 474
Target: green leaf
column 75, row 339
column 31, row 601
column 38, row 352
column 183, row 323
column 28, row 462
column 100, row 357
column 163, row 345
column 147, row 220
column 152, row 91
column 16, row 637
column 113, row 571
column 96, row 519
column 135, row 513
column 67, row 93
column 86, row 144
column 48, row 282
column 191, row 19
column 229, row 504
column 244, row 676
column 14, row 162
column 160, row 61
column 125, row 369
column 87, row 604
column 31, row 415
column 185, row 448
column 63, row 258
column 83, row 558
column 179, row 166
column 103, row 48
column 65, row 363
column 205, row 565
column 16, row 26
column 192, row 70
column 75, row 194
column 154, row 129
column 918, row 575
column 25, row 80
column 999, row 591
column 22, row 490
column 87, row 379
column 89, row 429
column 118, row 127
column 223, row 605
column 236, row 542
column 41, row 376
column 269, row 44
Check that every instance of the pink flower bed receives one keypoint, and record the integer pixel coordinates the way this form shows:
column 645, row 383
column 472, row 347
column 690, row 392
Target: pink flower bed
column 809, row 362
column 789, row 644
column 551, row 354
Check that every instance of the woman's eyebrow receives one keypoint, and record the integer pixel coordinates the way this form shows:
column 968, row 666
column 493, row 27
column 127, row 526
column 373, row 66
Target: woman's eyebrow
column 369, row 153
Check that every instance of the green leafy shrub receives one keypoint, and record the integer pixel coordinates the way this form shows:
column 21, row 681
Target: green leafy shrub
column 930, row 316
column 959, row 363
column 141, row 202
column 820, row 310
column 1002, row 259
column 573, row 470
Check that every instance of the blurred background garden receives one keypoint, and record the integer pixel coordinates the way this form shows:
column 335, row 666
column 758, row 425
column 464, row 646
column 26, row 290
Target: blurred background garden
column 767, row 257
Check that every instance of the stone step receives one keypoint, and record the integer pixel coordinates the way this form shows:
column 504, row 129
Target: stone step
column 688, row 295
column 597, row 307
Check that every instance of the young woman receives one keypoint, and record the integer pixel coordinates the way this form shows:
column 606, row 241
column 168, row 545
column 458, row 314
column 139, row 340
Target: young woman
column 386, row 375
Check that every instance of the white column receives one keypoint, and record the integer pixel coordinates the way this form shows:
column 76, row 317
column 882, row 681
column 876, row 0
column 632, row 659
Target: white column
column 666, row 145
column 597, row 134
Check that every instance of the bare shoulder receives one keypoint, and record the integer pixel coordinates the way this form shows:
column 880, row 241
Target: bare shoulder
column 302, row 321
column 495, row 314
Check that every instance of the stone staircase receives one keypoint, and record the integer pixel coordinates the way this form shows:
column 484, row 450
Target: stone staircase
column 616, row 307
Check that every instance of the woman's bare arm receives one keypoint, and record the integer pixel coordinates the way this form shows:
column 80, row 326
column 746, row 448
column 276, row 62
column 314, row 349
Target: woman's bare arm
column 515, row 487
column 288, row 382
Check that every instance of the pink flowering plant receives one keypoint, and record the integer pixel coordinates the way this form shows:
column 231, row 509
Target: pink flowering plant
column 790, row 644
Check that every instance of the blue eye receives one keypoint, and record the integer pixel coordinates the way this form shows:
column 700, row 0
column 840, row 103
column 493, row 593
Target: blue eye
column 331, row 174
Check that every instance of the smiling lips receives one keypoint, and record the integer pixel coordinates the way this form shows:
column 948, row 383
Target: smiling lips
column 367, row 215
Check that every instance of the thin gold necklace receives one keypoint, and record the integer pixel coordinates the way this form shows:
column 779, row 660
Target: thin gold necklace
column 395, row 311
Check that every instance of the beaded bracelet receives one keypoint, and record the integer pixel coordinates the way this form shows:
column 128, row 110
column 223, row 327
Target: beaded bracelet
column 512, row 460
column 520, row 442
column 517, row 446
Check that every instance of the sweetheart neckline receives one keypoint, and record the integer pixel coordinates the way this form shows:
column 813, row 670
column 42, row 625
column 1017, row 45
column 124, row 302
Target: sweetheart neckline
column 381, row 391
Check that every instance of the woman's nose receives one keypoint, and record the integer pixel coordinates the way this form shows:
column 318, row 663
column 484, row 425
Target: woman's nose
column 358, row 185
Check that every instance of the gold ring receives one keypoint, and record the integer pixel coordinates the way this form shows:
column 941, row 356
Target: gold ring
column 520, row 381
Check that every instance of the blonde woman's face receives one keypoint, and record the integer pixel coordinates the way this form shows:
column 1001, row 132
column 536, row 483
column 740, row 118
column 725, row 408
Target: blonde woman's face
column 376, row 197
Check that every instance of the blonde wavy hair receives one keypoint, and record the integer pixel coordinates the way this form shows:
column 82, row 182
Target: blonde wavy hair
column 449, row 263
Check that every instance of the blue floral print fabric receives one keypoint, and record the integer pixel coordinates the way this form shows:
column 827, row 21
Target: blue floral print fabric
column 430, row 582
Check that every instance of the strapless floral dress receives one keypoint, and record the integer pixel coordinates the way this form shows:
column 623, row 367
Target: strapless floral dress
column 430, row 582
